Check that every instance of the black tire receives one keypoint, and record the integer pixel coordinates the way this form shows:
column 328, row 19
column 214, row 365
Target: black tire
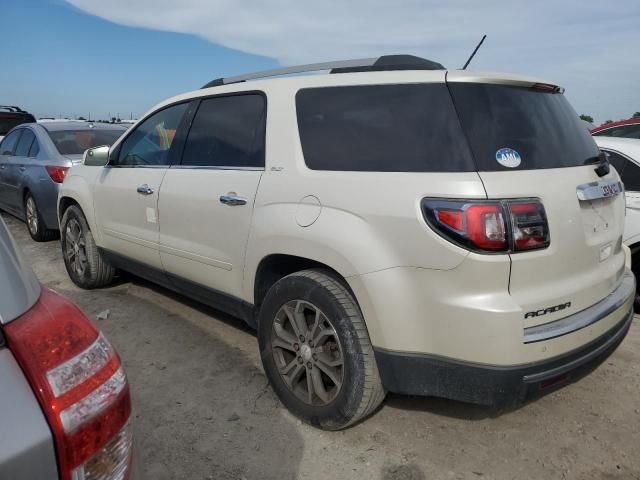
column 97, row 272
column 35, row 224
column 635, row 268
column 361, row 390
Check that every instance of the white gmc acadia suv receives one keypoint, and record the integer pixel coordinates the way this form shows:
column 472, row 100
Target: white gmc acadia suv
column 388, row 226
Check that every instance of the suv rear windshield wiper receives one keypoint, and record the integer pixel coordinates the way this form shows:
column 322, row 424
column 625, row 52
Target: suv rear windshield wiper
column 597, row 159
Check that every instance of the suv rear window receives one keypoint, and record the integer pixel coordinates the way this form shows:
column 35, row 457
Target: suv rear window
column 382, row 128
column 10, row 120
column 541, row 127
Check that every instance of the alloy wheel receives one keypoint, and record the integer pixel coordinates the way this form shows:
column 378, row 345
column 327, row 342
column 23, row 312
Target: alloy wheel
column 32, row 215
column 75, row 247
column 307, row 352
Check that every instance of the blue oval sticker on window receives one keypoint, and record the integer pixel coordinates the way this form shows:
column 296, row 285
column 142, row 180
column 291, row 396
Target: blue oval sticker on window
column 508, row 157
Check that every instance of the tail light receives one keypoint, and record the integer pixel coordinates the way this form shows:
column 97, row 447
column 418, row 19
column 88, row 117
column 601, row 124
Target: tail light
column 529, row 225
column 57, row 174
column 498, row 226
column 80, row 384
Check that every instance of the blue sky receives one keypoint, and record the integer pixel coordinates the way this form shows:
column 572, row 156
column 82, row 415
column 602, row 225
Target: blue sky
column 72, row 57
column 60, row 60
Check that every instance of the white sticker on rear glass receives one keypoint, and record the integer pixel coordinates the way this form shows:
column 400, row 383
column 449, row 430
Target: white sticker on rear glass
column 508, row 157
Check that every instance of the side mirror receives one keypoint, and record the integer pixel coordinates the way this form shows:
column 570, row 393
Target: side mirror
column 96, row 157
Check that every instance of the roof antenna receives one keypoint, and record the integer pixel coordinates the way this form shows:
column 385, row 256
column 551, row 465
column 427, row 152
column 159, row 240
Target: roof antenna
column 474, row 53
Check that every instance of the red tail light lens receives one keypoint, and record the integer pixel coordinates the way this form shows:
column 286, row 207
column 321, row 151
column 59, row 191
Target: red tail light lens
column 529, row 223
column 77, row 377
column 498, row 226
column 485, row 227
column 57, row 174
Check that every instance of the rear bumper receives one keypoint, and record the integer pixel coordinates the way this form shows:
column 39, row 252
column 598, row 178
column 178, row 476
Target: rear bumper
column 430, row 375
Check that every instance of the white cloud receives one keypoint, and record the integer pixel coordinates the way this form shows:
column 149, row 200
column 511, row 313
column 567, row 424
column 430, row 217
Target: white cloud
column 583, row 45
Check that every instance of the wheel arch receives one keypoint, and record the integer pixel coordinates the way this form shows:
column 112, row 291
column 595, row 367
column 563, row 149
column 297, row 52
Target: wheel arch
column 77, row 190
column 275, row 266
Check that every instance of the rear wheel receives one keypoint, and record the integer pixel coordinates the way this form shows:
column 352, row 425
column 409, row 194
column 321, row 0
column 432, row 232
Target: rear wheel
column 316, row 351
column 37, row 229
column 84, row 262
column 635, row 268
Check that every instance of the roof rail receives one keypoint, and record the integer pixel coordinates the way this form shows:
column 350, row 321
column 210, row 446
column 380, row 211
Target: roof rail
column 12, row 109
column 383, row 63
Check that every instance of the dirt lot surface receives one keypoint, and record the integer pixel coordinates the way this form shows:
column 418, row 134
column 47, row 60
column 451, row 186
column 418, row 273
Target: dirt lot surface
column 204, row 409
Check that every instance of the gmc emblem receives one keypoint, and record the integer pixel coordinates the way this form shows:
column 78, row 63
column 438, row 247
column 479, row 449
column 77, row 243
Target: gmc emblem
column 544, row 311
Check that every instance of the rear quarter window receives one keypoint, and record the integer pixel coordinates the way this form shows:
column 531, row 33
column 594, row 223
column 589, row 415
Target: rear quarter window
column 541, row 127
column 381, row 128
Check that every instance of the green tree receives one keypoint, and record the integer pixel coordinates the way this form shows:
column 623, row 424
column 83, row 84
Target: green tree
column 607, row 121
column 587, row 118
column 636, row 115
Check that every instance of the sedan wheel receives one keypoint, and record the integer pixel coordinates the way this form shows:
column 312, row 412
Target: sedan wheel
column 32, row 215
column 35, row 224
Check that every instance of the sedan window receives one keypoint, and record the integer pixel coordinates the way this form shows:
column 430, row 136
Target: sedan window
column 75, row 142
column 24, row 145
column 8, row 145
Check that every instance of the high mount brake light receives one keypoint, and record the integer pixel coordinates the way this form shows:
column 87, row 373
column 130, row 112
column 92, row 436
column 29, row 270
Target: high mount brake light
column 57, row 174
column 547, row 87
column 494, row 226
column 80, row 385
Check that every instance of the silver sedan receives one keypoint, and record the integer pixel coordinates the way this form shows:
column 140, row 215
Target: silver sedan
column 34, row 158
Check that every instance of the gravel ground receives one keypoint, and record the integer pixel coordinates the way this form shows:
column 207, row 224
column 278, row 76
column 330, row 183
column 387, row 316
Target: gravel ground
column 204, row 410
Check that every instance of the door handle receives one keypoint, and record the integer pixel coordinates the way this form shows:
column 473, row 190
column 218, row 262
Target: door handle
column 145, row 189
column 22, row 169
column 2, row 167
column 232, row 199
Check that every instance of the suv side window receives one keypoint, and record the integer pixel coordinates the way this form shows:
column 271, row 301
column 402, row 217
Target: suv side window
column 382, row 128
column 227, row 132
column 8, row 145
column 24, row 145
column 149, row 144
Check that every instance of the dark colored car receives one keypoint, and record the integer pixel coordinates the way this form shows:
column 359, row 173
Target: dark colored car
column 624, row 128
column 11, row 116
column 34, row 158
column 64, row 397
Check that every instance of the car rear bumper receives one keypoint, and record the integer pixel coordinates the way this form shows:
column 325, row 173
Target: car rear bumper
column 418, row 374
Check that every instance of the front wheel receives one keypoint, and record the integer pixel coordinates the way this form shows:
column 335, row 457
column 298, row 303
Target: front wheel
column 84, row 262
column 316, row 351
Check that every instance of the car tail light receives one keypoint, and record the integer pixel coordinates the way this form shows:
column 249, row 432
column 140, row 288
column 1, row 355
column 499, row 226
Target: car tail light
column 80, row 384
column 498, row 226
column 529, row 224
column 57, row 174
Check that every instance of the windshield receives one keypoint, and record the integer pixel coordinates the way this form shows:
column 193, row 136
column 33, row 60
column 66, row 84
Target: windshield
column 75, row 142
column 521, row 128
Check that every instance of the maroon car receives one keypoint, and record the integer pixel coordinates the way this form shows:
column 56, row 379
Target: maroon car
column 624, row 128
